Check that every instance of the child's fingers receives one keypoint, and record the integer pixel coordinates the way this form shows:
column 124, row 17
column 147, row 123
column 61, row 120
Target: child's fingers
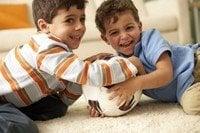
column 114, row 94
column 92, row 112
column 124, row 100
column 102, row 115
column 113, row 88
column 127, row 105
column 88, row 107
column 121, row 101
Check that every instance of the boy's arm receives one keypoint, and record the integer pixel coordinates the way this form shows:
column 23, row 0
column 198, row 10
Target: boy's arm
column 160, row 77
column 65, row 65
column 100, row 56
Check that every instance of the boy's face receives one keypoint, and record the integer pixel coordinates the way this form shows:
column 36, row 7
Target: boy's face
column 69, row 26
column 123, row 34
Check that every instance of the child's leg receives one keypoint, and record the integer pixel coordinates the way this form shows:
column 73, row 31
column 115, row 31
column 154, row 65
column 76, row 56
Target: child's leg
column 190, row 100
column 14, row 121
column 47, row 108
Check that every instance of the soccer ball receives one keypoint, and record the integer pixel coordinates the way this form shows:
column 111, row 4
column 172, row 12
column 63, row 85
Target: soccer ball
column 100, row 98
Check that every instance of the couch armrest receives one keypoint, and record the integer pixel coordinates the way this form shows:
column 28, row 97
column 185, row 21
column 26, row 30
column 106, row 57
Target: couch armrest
column 177, row 8
column 12, row 37
column 184, row 27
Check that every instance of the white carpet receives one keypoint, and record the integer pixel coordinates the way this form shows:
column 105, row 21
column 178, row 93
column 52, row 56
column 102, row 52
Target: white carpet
column 148, row 117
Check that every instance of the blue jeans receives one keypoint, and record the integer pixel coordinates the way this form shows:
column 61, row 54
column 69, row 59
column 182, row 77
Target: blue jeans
column 14, row 121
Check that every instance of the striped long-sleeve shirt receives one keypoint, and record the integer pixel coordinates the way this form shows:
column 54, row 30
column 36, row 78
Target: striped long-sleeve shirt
column 34, row 70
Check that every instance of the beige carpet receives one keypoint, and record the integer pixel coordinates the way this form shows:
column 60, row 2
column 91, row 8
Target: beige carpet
column 148, row 117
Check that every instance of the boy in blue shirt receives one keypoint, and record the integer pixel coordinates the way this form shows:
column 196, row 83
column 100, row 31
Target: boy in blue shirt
column 172, row 71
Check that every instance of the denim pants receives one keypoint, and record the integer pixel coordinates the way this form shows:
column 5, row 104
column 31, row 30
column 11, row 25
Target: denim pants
column 13, row 120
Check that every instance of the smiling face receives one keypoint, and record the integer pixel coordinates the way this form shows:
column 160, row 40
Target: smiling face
column 68, row 26
column 122, row 32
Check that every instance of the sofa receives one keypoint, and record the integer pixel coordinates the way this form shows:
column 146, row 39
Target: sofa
column 171, row 17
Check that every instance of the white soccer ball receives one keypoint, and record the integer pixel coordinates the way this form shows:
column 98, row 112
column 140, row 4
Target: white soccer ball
column 108, row 107
column 99, row 97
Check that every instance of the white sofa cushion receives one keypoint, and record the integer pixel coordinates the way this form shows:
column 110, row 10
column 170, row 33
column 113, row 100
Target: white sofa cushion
column 9, row 38
column 162, row 23
column 141, row 8
column 92, row 32
column 12, row 1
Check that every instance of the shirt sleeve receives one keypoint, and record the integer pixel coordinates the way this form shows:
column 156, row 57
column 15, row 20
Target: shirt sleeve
column 63, row 64
column 154, row 45
column 71, row 92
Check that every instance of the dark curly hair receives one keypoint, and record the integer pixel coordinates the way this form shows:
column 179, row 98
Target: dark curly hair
column 109, row 8
column 47, row 9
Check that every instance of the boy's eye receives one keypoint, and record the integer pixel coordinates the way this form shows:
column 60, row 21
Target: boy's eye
column 69, row 20
column 114, row 33
column 129, row 28
column 82, row 20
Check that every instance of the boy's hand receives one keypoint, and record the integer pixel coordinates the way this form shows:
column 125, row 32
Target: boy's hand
column 102, row 56
column 124, row 92
column 94, row 109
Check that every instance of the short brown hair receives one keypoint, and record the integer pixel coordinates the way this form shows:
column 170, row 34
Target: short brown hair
column 47, row 9
column 109, row 8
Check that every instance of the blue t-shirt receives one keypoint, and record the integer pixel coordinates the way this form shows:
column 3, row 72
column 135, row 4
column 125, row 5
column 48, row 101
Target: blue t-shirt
column 150, row 48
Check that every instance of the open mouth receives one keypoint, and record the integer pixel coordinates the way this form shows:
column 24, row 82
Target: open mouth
column 75, row 38
column 124, row 45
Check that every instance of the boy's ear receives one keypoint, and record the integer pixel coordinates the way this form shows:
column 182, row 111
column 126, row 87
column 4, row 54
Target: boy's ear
column 43, row 25
column 104, row 38
column 140, row 25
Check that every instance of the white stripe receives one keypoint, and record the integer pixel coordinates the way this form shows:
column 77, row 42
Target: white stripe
column 51, row 80
column 51, row 61
column 20, row 75
column 4, row 86
column 29, row 55
column 115, row 70
column 93, row 78
column 132, row 68
column 33, row 93
column 45, row 43
column 74, row 69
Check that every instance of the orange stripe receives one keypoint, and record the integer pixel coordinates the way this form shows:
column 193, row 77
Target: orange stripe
column 24, row 96
column 50, row 36
column 6, row 74
column 68, row 93
column 14, row 85
column 36, row 76
column 125, row 69
column 106, row 75
column 64, row 65
column 47, row 52
column 33, row 45
column 82, row 78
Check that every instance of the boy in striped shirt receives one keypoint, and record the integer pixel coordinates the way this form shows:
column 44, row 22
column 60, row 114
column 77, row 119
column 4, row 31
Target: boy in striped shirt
column 45, row 66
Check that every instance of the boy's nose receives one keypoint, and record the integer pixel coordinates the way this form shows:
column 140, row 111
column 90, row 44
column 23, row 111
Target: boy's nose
column 80, row 26
column 123, row 35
